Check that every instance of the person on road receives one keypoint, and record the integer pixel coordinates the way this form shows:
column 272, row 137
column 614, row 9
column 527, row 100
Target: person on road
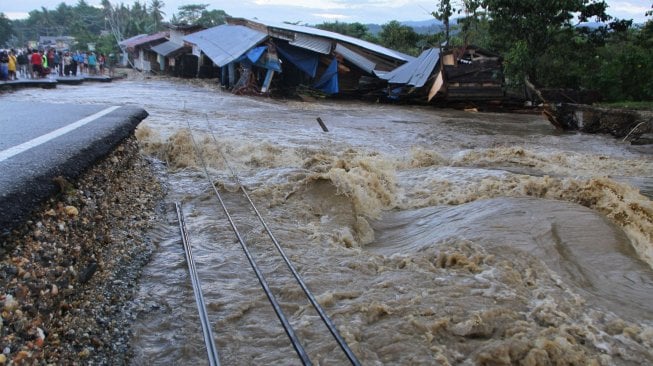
column 101, row 61
column 77, row 62
column 12, row 65
column 84, row 68
column 37, row 65
column 92, row 63
column 67, row 64
column 22, row 64
column 4, row 65
column 45, row 69
column 57, row 63
column 50, row 62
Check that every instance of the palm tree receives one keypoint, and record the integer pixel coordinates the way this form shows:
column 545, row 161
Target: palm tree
column 157, row 13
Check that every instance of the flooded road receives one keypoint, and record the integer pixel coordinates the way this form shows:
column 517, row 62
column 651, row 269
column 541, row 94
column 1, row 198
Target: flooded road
column 429, row 236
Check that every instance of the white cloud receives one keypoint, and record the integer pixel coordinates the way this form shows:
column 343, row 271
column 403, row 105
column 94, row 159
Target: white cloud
column 629, row 8
column 311, row 4
column 330, row 16
column 16, row 15
column 338, row 4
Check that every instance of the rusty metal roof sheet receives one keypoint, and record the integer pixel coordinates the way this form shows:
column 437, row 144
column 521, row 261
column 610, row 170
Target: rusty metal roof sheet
column 225, row 43
column 416, row 72
column 167, row 48
column 144, row 39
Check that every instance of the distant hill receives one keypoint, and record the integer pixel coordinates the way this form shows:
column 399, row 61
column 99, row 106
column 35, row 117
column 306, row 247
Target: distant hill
column 432, row 26
column 429, row 26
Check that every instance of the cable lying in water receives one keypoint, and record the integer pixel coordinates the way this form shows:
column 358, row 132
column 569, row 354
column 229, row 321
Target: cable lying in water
column 325, row 318
column 197, row 290
column 273, row 301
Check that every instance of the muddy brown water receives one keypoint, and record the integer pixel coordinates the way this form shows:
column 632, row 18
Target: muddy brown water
column 429, row 236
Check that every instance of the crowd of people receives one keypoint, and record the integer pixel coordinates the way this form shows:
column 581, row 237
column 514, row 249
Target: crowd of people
column 35, row 64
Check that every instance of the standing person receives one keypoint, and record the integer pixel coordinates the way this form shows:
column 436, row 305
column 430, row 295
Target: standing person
column 85, row 62
column 111, row 64
column 92, row 64
column 4, row 65
column 67, row 64
column 30, row 68
column 74, row 63
column 50, row 59
column 57, row 63
column 12, row 65
column 37, row 65
column 101, row 61
column 45, row 68
column 22, row 64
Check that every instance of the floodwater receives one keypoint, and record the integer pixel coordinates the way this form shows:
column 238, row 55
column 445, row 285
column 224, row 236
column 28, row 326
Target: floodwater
column 430, row 237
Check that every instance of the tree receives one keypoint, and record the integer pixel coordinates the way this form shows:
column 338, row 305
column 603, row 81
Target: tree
column 212, row 18
column 443, row 14
column 356, row 30
column 532, row 27
column 472, row 22
column 6, row 30
column 190, row 13
column 157, row 14
column 399, row 37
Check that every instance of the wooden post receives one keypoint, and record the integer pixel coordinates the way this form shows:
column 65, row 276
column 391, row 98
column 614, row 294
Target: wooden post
column 267, row 81
column 324, row 127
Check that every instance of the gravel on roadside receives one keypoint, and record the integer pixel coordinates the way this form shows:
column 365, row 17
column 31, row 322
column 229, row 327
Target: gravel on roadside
column 68, row 274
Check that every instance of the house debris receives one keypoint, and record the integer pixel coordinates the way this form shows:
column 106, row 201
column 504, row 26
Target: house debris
column 467, row 74
column 250, row 54
column 256, row 57
column 471, row 73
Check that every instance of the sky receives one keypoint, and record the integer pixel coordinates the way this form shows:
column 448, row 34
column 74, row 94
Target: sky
column 312, row 11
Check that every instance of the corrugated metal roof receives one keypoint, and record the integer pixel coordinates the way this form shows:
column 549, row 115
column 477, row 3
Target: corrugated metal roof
column 317, row 44
column 166, row 48
column 340, row 37
column 355, row 58
column 131, row 39
column 416, row 72
column 137, row 41
column 225, row 43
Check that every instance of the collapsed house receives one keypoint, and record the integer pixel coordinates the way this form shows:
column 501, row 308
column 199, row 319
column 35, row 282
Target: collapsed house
column 249, row 54
column 256, row 57
column 468, row 74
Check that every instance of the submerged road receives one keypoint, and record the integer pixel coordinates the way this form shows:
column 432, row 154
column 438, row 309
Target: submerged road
column 39, row 142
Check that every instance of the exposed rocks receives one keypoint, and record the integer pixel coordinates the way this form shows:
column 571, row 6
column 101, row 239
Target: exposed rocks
column 68, row 273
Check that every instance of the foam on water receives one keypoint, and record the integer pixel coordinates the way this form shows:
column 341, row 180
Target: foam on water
column 430, row 236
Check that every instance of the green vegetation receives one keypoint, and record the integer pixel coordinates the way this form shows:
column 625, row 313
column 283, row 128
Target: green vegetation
column 543, row 42
column 101, row 26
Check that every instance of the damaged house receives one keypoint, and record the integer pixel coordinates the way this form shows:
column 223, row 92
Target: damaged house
column 173, row 55
column 463, row 74
column 254, row 56
column 139, row 50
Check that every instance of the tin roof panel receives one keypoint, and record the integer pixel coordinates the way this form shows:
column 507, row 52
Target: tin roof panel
column 225, row 43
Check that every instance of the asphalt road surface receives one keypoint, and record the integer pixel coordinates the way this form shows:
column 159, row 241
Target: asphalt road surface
column 41, row 141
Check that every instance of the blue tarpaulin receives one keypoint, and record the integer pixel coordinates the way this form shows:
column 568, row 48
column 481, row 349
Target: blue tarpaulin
column 328, row 83
column 304, row 60
column 254, row 57
column 255, row 53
